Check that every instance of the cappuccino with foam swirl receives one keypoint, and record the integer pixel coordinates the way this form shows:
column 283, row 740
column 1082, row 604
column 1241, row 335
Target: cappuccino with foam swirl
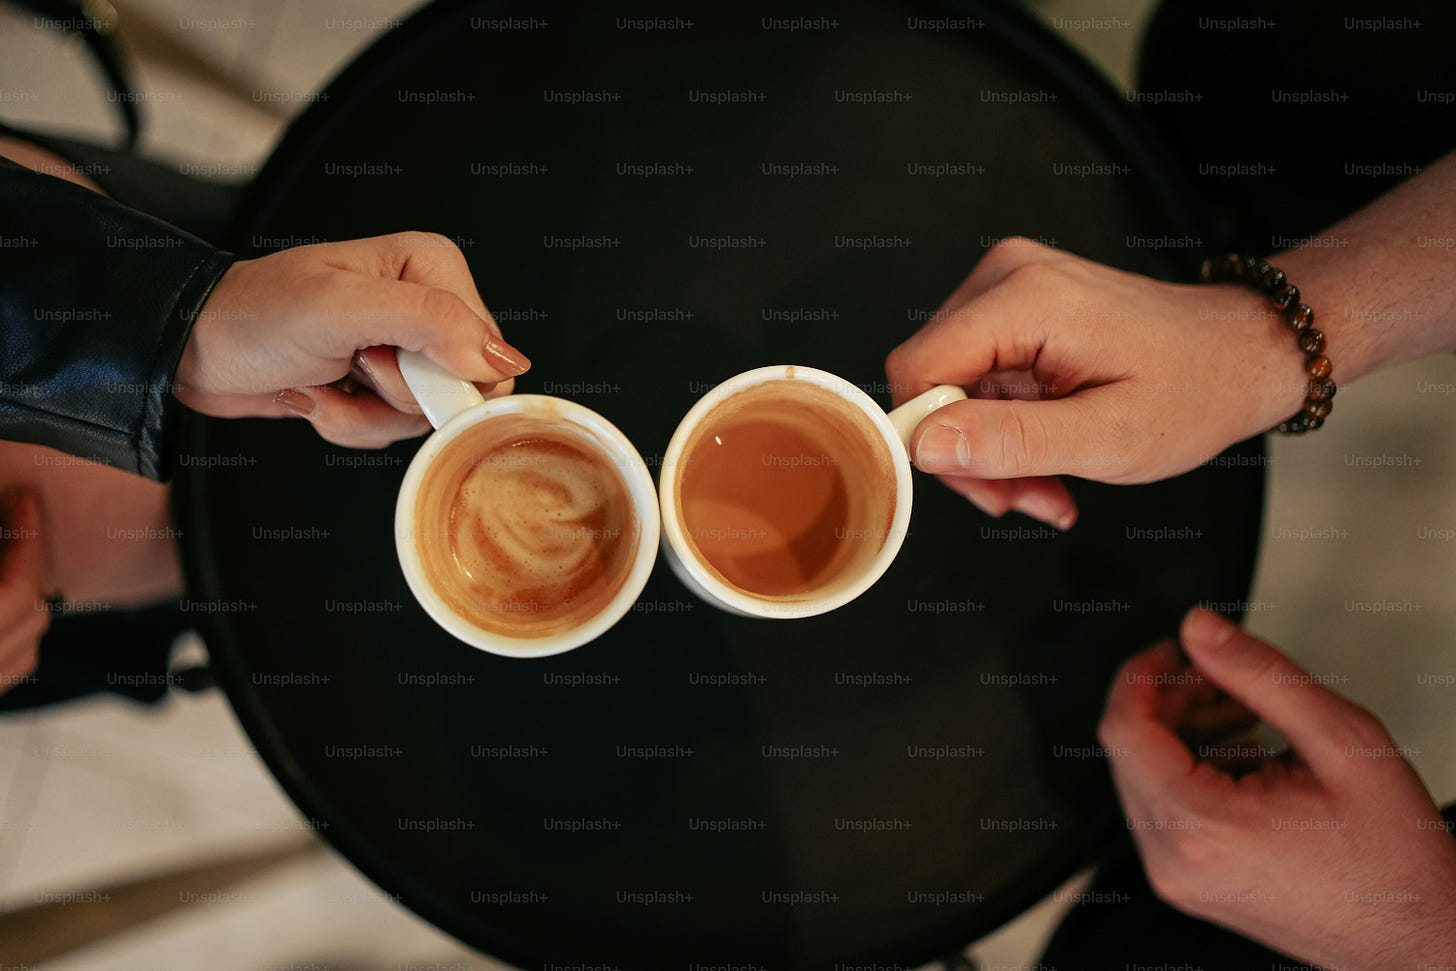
column 524, row 527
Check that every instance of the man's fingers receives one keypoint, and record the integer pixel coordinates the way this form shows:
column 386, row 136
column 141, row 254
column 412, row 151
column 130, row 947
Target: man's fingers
column 361, row 420
column 1009, row 253
column 1043, row 498
column 990, row 323
column 1215, row 721
column 1319, row 724
column 996, row 439
column 1146, row 755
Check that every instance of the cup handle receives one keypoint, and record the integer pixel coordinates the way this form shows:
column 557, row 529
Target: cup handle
column 441, row 394
column 909, row 415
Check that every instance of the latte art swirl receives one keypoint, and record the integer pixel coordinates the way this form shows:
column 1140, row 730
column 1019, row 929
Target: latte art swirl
column 525, row 527
column 535, row 524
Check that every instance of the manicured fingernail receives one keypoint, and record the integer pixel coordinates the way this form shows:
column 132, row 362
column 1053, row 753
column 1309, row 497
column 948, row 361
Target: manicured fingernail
column 943, row 448
column 362, row 365
column 505, row 358
column 297, row 402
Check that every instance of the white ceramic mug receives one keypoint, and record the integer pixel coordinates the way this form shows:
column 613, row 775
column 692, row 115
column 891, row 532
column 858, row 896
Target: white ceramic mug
column 454, row 405
column 895, row 428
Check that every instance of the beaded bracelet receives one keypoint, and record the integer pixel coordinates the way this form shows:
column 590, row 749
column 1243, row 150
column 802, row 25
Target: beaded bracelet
column 1284, row 297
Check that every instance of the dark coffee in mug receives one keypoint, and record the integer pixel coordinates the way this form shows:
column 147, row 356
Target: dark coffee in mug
column 785, row 488
column 524, row 527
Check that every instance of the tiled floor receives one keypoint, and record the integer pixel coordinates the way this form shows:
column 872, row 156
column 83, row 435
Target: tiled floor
column 104, row 792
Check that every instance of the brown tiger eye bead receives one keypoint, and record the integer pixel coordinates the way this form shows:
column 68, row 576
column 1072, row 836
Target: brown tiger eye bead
column 1318, row 367
column 1311, row 424
column 1301, row 318
column 1318, row 409
column 1322, row 390
column 1287, row 297
column 1312, row 341
column 1274, row 281
column 1259, row 272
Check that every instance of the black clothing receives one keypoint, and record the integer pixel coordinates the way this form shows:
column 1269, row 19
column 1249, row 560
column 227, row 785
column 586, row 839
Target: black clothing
column 96, row 304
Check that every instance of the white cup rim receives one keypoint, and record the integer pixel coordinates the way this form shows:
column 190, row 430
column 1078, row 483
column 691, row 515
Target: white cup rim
column 742, row 601
column 628, row 462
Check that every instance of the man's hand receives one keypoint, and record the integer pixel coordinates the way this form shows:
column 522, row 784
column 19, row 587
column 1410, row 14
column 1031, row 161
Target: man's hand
column 23, row 614
column 1075, row 368
column 281, row 333
column 1331, row 852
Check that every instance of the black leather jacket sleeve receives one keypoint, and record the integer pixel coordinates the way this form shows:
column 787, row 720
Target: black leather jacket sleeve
column 96, row 304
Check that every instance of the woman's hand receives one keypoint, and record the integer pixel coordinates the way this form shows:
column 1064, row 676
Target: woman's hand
column 1076, row 368
column 280, row 332
column 24, row 617
column 1332, row 852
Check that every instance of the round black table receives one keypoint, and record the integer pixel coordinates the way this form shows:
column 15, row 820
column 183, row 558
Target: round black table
column 649, row 211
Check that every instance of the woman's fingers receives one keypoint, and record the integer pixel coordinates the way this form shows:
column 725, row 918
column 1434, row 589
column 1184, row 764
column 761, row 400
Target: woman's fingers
column 429, row 259
column 358, row 420
column 432, row 320
column 377, row 368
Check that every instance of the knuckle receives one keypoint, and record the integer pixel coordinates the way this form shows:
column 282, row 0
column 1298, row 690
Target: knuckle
column 437, row 246
column 1267, row 668
column 1170, row 885
column 1365, row 727
column 1012, row 247
column 413, row 239
column 439, row 306
column 1023, row 438
column 896, row 363
column 1027, row 276
column 1109, row 730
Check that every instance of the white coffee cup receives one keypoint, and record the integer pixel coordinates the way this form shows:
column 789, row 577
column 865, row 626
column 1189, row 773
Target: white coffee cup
column 454, row 405
column 895, row 428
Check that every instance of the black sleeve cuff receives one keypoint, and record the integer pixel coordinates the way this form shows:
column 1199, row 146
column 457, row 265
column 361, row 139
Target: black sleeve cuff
column 96, row 304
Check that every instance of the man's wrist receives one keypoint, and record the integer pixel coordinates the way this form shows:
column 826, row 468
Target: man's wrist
column 1334, row 283
column 1264, row 374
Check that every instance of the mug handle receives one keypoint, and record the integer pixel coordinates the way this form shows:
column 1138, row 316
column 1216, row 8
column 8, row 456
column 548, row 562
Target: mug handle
column 909, row 415
column 441, row 394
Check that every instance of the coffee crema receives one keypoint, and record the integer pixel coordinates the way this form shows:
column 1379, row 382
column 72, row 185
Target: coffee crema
column 525, row 527
column 786, row 487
